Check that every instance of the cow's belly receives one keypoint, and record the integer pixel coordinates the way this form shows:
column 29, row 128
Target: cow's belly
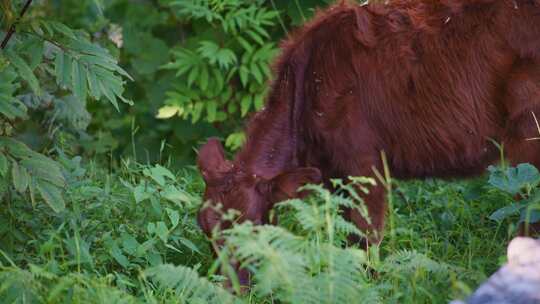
column 440, row 146
column 423, row 159
column 433, row 134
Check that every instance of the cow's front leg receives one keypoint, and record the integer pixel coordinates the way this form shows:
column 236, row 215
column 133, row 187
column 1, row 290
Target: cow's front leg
column 374, row 202
column 376, row 207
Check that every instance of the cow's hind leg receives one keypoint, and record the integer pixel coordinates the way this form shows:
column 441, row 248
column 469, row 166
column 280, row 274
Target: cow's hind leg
column 522, row 102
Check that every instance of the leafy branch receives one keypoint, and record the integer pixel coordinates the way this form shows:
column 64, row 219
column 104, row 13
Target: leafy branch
column 11, row 30
column 226, row 77
column 50, row 48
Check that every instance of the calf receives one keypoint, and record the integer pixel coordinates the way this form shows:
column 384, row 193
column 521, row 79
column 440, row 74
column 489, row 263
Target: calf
column 430, row 83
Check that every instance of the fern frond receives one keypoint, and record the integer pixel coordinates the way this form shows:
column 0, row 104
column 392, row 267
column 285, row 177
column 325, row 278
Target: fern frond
column 186, row 284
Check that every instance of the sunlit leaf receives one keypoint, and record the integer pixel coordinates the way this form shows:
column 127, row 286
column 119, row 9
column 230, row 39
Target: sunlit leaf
column 167, row 112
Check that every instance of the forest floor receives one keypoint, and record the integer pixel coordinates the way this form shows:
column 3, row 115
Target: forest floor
column 131, row 236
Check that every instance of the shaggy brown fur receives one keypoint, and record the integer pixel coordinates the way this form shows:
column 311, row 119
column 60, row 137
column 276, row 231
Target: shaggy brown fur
column 428, row 82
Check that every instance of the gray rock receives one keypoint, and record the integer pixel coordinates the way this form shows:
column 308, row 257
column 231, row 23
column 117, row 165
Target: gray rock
column 517, row 282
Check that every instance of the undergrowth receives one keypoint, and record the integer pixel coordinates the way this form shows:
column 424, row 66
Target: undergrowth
column 131, row 237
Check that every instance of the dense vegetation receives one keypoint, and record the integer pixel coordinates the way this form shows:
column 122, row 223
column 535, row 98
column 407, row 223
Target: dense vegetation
column 101, row 106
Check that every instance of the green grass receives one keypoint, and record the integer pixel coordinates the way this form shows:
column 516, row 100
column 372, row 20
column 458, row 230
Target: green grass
column 131, row 236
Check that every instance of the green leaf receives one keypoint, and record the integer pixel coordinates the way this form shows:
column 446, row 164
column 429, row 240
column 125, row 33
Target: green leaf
column 110, row 95
column 12, row 108
column 261, row 31
column 235, row 140
column 158, row 174
column 44, row 169
column 246, row 45
column 151, row 228
column 174, row 216
column 35, row 51
column 197, row 111
column 52, row 195
column 16, row 148
column 20, row 177
column 244, row 75
column 203, row 79
column 32, row 189
column 514, row 179
column 72, row 111
column 530, row 215
column 218, row 77
column 259, row 102
column 255, row 36
column 256, row 72
column 142, row 192
column 225, row 58
column 167, row 112
column 105, row 62
column 65, row 76
column 3, row 164
column 211, row 109
column 47, row 27
column 506, row 212
column 59, row 67
column 24, row 71
column 130, row 244
column 162, row 232
column 88, row 48
column 79, row 81
column 193, row 75
column 245, row 104
column 117, row 254
column 189, row 244
column 175, row 195
column 94, row 85
column 63, row 29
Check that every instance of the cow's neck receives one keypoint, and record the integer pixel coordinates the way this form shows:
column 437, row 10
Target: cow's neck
column 272, row 145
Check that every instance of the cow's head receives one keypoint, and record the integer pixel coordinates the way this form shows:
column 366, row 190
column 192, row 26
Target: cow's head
column 232, row 187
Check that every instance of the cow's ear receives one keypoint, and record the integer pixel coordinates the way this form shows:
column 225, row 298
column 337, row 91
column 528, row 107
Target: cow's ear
column 285, row 185
column 365, row 30
column 211, row 159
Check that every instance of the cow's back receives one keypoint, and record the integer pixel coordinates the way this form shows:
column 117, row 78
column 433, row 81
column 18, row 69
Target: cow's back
column 429, row 99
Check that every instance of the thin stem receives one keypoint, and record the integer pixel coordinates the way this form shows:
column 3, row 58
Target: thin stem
column 55, row 43
column 299, row 7
column 12, row 27
column 279, row 18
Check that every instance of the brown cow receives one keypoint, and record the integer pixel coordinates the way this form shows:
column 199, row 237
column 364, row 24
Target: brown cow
column 428, row 82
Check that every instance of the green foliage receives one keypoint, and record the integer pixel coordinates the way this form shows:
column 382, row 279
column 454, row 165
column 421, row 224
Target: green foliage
column 132, row 235
column 10, row 107
column 224, row 68
column 44, row 49
column 38, row 285
column 31, row 172
column 519, row 182
column 113, row 225
column 185, row 284
column 307, row 250
column 281, row 262
column 204, row 65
